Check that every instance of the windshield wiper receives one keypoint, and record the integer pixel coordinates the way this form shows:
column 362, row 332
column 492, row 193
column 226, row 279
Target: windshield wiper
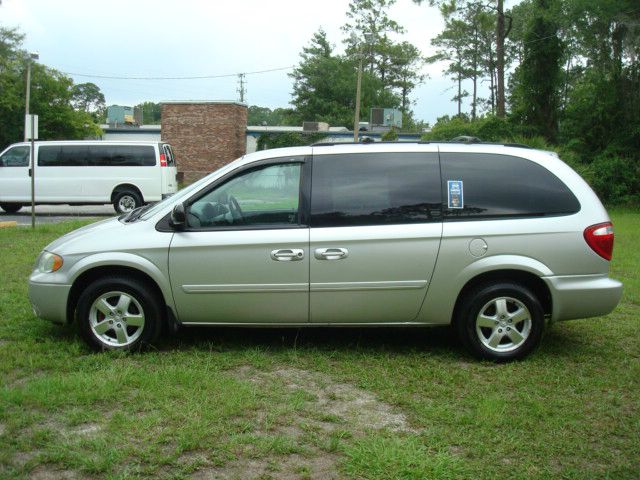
column 133, row 215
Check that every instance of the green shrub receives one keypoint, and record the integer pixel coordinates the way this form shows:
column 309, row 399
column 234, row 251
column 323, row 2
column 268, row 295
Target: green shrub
column 615, row 177
column 487, row 129
column 288, row 139
column 390, row 136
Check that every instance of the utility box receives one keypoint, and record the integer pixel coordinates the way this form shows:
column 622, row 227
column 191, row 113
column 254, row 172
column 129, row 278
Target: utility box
column 120, row 115
column 386, row 117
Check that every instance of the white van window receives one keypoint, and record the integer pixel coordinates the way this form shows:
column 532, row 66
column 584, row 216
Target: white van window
column 96, row 156
column 166, row 148
column 15, row 157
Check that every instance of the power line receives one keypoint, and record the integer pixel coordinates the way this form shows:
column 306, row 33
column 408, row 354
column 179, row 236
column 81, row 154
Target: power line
column 196, row 77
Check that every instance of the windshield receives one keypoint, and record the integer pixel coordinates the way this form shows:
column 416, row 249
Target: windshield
column 185, row 192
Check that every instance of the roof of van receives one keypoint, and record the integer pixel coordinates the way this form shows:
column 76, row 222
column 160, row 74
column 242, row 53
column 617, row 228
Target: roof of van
column 94, row 142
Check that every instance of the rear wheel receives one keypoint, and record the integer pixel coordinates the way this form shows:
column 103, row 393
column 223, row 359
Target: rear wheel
column 10, row 207
column 500, row 321
column 118, row 313
column 125, row 201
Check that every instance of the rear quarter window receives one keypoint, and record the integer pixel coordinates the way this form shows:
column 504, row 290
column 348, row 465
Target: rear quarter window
column 495, row 186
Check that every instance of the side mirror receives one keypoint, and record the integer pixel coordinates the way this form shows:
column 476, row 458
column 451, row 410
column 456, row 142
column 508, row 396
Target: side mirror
column 178, row 219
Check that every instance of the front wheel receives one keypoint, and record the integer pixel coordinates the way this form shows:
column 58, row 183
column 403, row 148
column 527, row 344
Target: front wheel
column 500, row 321
column 10, row 207
column 118, row 313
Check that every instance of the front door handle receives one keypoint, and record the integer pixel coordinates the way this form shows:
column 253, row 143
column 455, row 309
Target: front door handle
column 330, row 253
column 287, row 255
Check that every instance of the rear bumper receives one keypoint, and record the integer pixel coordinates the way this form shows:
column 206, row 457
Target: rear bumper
column 49, row 301
column 582, row 296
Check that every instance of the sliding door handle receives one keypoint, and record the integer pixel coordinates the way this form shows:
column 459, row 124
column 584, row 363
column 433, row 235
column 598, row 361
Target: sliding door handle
column 330, row 253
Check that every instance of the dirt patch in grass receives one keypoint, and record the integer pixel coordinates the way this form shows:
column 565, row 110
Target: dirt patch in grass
column 356, row 409
column 282, row 468
column 19, row 378
column 20, row 459
column 51, row 472
column 328, row 411
column 85, row 429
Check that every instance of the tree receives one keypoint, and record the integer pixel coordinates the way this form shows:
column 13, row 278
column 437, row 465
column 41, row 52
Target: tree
column 320, row 96
column 451, row 43
column 51, row 96
column 265, row 116
column 538, row 79
column 480, row 54
column 151, row 112
column 371, row 17
column 405, row 62
column 87, row 97
column 396, row 65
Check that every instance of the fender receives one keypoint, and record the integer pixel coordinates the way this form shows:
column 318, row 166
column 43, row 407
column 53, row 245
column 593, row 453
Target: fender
column 439, row 303
column 502, row 262
column 123, row 259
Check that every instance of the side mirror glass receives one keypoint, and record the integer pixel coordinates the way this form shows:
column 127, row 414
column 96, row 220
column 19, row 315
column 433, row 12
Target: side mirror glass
column 178, row 219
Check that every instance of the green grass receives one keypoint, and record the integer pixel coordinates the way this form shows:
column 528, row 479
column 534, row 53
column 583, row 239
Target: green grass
column 265, row 403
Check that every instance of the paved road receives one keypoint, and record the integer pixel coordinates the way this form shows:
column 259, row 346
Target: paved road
column 58, row 213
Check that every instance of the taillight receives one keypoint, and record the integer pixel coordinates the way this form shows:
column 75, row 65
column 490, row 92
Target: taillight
column 163, row 160
column 600, row 238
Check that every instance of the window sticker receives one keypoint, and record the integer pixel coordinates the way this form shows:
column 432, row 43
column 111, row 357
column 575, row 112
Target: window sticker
column 455, row 194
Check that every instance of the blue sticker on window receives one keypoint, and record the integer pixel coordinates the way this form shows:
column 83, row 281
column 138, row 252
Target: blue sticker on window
column 455, row 194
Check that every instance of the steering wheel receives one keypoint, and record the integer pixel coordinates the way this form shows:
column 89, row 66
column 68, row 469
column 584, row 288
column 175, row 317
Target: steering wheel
column 236, row 211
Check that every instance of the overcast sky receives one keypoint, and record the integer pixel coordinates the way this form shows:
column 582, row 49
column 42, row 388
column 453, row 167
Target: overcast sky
column 197, row 38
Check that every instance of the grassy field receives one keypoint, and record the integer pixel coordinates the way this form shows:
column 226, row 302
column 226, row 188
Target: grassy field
column 320, row 403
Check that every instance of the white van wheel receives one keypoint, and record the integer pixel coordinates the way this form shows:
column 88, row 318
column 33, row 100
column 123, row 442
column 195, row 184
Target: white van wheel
column 125, row 201
column 10, row 207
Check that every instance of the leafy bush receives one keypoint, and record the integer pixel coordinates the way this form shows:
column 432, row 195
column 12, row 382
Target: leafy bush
column 487, row 129
column 288, row 139
column 390, row 136
column 615, row 177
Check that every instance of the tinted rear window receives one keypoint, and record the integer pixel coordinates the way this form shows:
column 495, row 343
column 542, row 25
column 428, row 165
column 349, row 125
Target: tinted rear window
column 502, row 186
column 96, row 156
column 375, row 189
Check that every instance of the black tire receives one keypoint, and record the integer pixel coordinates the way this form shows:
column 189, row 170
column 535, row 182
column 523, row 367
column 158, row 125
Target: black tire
column 119, row 324
column 10, row 207
column 126, row 200
column 516, row 325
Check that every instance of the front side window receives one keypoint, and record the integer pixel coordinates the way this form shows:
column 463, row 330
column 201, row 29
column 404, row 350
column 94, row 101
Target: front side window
column 15, row 157
column 375, row 189
column 263, row 196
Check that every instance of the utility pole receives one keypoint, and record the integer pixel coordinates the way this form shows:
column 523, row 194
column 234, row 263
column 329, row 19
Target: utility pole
column 500, row 36
column 241, row 86
column 368, row 39
column 30, row 59
column 356, row 120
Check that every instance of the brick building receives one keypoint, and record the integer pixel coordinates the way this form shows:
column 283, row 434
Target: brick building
column 204, row 135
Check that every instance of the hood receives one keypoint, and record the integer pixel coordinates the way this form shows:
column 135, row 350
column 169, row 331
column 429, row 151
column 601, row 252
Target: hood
column 96, row 230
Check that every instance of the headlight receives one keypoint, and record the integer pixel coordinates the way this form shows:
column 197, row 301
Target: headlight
column 49, row 262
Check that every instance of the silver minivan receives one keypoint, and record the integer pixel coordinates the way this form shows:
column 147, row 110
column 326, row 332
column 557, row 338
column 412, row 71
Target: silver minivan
column 494, row 240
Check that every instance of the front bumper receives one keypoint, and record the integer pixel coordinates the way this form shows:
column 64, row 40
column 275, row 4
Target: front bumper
column 583, row 296
column 49, row 300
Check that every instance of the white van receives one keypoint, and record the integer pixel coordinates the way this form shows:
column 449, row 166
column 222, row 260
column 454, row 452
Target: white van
column 125, row 174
